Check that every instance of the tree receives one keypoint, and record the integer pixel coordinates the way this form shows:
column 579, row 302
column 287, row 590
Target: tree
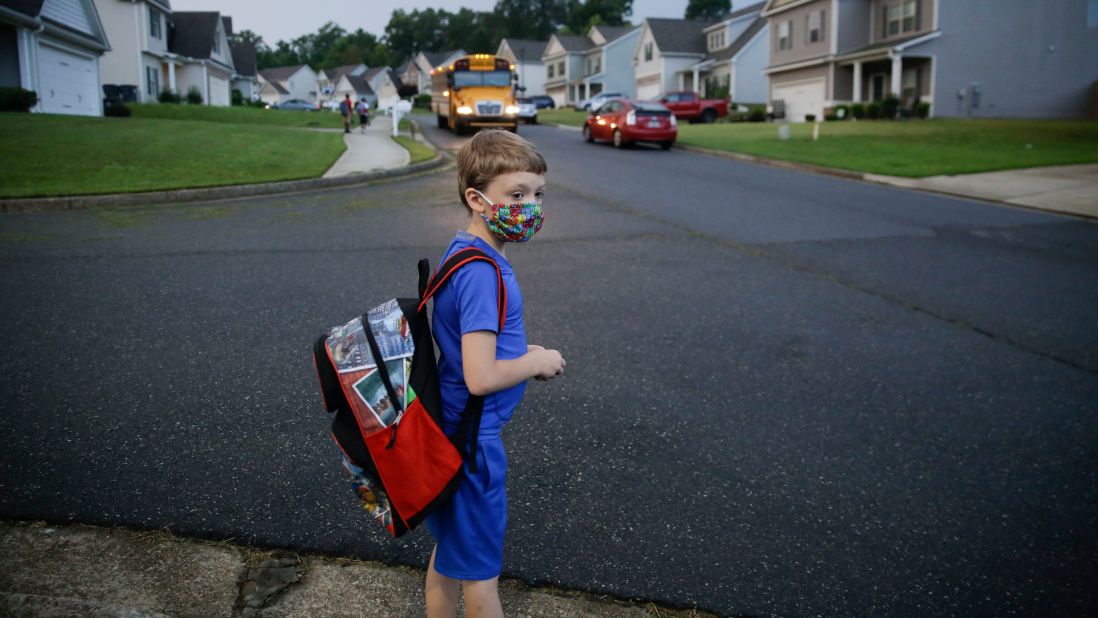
column 580, row 16
column 707, row 9
column 529, row 19
column 409, row 33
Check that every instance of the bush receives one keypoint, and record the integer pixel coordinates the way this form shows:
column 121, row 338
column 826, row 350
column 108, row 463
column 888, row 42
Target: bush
column 236, row 98
column 194, row 96
column 841, row 112
column 167, row 96
column 831, row 117
column 115, row 108
column 757, row 115
column 17, row 99
column 873, row 110
column 857, row 110
column 422, row 101
column 889, row 107
column 923, row 109
column 810, row 117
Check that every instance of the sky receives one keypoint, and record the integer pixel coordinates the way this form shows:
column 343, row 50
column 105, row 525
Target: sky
column 276, row 20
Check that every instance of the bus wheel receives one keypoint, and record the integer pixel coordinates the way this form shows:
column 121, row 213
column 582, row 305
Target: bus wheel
column 443, row 123
column 460, row 128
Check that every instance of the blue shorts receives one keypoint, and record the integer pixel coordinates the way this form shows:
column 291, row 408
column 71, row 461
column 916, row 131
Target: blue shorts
column 469, row 528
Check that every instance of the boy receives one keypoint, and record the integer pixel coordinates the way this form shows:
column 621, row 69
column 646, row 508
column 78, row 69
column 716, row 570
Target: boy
column 363, row 109
column 501, row 180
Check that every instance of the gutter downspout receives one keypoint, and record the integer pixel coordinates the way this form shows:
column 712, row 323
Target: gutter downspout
column 206, row 80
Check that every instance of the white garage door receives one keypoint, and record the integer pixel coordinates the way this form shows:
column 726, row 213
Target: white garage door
column 219, row 91
column 648, row 92
column 68, row 83
column 801, row 98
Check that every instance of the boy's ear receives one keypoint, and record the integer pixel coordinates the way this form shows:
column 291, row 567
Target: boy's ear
column 474, row 200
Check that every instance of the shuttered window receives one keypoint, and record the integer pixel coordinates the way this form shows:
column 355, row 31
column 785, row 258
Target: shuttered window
column 154, row 23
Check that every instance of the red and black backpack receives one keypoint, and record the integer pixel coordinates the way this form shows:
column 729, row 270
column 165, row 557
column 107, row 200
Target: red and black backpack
column 379, row 376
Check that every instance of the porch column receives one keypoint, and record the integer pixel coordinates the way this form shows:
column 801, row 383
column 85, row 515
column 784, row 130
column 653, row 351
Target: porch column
column 695, row 79
column 897, row 68
column 171, row 75
column 857, row 81
column 682, row 81
column 206, row 81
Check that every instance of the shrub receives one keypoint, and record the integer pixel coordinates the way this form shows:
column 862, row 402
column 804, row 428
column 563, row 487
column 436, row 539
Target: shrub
column 810, row 117
column 857, row 110
column 831, row 117
column 17, row 99
column 236, row 97
column 889, row 107
column 422, row 101
column 923, row 109
column 757, row 114
column 167, row 96
column 873, row 110
column 841, row 112
column 194, row 96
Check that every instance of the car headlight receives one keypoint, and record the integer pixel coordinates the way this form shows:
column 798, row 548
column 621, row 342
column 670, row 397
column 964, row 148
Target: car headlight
column 511, row 110
column 465, row 110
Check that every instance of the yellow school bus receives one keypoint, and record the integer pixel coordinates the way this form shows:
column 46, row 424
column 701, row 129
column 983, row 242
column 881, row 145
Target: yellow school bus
column 476, row 90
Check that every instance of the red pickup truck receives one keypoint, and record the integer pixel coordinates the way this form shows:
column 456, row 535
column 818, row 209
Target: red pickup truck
column 686, row 105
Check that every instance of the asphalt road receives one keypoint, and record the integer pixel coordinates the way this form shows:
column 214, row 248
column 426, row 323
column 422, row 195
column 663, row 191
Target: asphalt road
column 787, row 394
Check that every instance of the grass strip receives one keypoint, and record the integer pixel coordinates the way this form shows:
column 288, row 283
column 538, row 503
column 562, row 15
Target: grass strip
column 50, row 155
column 419, row 152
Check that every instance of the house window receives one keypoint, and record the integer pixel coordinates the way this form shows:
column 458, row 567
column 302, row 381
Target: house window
column 217, row 42
column 648, row 51
column 560, row 68
column 901, row 17
column 152, row 81
column 154, row 23
column 814, row 32
column 785, row 35
column 549, row 71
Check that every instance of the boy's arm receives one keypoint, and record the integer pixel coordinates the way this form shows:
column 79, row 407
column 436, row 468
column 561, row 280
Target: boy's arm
column 485, row 374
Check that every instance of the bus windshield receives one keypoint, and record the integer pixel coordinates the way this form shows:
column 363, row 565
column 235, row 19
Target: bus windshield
column 481, row 78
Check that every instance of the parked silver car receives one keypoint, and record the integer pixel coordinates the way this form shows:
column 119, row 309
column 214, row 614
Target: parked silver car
column 298, row 104
column 528, row 110
column 596, row 101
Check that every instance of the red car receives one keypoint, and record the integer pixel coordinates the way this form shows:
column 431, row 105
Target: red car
column 626, row 122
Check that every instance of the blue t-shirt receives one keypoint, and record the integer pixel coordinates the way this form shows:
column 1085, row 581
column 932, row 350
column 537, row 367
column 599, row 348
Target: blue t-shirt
column 468, row 303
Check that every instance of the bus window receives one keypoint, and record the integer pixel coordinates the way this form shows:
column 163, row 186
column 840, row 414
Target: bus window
column 481, row 78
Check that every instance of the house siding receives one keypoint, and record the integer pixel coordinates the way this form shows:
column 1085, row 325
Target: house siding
column 618, row 65
column 122, row 64
column 853, row 25
column 749, row 83
column 671, row 66
column 151, row 43
column 68, row 12
column 1034, row 59
column 801, row 50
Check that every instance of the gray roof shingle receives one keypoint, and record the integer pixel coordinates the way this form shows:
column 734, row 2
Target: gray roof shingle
column 527, row 50
column 728, row 52
column 243, row 57
column 277, row 74
column 192, row 33
column 679, row 36
column 360, row 85
column 574, row 43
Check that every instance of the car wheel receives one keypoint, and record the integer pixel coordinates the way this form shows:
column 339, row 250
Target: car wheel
column 534, row 120
column 709, row 116
column 619, row 139
column 587, row 137
column 666, row 145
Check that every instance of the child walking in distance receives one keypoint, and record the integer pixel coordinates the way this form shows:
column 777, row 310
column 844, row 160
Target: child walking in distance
column 501, row 180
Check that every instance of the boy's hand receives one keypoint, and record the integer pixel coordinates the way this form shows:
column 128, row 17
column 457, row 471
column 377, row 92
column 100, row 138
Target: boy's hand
column 550, row 363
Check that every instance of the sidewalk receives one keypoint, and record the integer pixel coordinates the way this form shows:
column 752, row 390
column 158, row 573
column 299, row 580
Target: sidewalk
column 76, row 570
column 1070, row 189
column 366, row 152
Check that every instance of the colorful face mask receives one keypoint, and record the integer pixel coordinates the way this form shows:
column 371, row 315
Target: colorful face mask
column 513, row 222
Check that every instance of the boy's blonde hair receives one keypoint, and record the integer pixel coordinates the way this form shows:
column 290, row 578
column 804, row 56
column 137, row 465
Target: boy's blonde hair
column 492, row 153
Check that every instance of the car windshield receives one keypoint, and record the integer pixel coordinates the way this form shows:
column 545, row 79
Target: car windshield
column 651, row 108
column 525, row 100
column 463, row 79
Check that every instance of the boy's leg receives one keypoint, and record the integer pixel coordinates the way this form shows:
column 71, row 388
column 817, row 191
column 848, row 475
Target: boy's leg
column 441, row 592
column 482, row 598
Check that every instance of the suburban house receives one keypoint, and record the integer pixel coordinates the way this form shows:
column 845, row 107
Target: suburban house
column 139, row 55
column 425, row 62
column 563, row 60
column 328, row 79
column 199, row 40
column 53, row 47
column 246, row 78
column 245, row 81
column 355, row 85
column 280, row 84
column 408, row 73
column 385, row 84
column 966, row 58
column 665, row 52
column 526, row 56
column 737, row 54
column 608, row 64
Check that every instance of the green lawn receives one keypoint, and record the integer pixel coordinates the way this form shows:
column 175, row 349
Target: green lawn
column 238, row 115
column 418, row 151
column 912, row 148
column 49, row 155
column 564, row 115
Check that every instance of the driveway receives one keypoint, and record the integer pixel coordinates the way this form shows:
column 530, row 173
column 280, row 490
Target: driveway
column 787, row 394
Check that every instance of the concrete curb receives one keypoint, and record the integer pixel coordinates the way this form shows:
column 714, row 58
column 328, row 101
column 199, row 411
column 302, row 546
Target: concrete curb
column 78, row 202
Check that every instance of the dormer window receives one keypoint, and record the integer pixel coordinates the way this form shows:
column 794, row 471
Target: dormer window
column 814, row 30
column 154, row 22
column 217, row 42
column 901, row 17
column 716, row 40
column 648, row 52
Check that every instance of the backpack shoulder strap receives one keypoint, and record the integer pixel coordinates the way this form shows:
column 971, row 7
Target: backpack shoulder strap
column 451, row 265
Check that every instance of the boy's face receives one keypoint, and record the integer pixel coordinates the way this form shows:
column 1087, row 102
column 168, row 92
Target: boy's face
column 510, row 188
